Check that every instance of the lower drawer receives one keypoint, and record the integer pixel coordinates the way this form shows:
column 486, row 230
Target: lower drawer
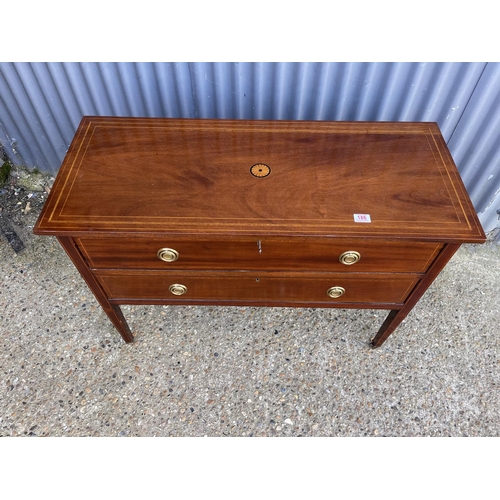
column 256, row 287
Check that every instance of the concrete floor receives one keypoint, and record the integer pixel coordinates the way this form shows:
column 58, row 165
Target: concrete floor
column 241, row 371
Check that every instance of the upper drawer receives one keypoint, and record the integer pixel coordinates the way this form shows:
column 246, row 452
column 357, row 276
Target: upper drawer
column 301, row 254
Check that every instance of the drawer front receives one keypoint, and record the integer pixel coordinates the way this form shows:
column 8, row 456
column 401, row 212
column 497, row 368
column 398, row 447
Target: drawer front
column 257, row 287
column 302, row 254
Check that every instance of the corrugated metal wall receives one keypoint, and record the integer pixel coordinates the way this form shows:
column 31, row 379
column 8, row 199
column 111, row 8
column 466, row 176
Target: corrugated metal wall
column 41, row 104
column 475, row 146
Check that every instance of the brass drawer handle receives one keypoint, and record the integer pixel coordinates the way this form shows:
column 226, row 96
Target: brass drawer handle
column 350, row 257
column 178, row 289
column 168, row 254
column 335, row 292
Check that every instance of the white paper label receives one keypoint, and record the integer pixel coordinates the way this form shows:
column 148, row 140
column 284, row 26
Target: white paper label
column 362, row 218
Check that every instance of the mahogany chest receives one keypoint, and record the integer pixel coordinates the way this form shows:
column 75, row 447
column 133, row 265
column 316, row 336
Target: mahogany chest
column 259, row 213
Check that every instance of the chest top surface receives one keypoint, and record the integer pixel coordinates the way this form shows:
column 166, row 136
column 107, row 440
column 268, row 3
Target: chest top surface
column 194, row 176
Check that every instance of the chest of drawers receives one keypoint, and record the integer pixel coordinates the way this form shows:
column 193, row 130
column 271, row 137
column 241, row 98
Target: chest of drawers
column 259, row 213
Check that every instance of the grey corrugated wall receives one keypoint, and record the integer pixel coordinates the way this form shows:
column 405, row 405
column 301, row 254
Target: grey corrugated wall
column 41, row 104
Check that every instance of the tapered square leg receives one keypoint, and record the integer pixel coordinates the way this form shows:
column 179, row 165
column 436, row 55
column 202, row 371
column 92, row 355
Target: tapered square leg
column 113, row 311
column 388, row 326
column 397, row 315
column 116, row 316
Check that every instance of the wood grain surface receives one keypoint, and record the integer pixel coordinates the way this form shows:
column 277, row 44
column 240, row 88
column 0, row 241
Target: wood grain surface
column 311, row 254
column 193, row 176
column 285, row 287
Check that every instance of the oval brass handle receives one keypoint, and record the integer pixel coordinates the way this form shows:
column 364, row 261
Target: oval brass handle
column 350, row 257
column 335, row 291
column 178, row 289
column 168, row 254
